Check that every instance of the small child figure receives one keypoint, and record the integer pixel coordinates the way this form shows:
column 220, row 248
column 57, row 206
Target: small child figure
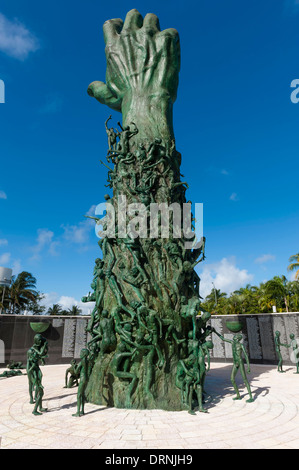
column 238, row 351
column 278, row 344
column 82, row 368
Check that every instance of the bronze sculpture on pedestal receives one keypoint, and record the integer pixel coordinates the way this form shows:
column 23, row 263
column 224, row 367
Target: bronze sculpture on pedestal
column 145, row 287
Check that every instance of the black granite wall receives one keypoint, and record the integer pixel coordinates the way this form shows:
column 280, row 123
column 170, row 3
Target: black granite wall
column 258, row 336
column 67, row 336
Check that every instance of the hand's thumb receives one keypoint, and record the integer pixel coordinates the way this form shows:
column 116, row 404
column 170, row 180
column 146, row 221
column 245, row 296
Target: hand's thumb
column 104, row 95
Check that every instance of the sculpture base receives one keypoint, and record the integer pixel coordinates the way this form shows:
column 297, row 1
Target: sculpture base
column 152, row 387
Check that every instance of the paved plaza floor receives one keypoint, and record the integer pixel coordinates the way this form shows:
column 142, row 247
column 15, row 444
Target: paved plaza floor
column 270, row 422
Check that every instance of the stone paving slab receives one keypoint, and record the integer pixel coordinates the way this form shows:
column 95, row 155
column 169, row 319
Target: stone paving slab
column 270, row 422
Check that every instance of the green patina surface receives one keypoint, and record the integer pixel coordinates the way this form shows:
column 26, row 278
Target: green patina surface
column 146, row 350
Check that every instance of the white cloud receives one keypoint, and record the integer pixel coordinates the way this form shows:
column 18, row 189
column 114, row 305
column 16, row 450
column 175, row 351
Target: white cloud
column 3, row 195
column 5, row 258
column 234, row 197
column 79, row 233
column 3, row 242
column 66, row 302
column 293, row 276
column 225, row 275
column 265, row 259
column 44, row 240
column 15, row 39
column 76, row 233
column 14, row 264
column 53, row 248
column 16, row 267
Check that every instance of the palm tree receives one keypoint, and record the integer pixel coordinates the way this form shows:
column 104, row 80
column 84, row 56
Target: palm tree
column 215, row 295
column 234, row 304
column 21, row 292
column 215, row 299
column 35, row 307
column 247, row 297
column 56, row 309
column 265, row 302
column 277, row 290
column 75, row 310
column 4, row 299
column 294, row 265
column 293, row 287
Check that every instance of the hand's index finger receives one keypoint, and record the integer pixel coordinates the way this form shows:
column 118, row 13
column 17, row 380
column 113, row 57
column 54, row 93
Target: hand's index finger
column 133, row 21
column 151, row 23
column 111, row 29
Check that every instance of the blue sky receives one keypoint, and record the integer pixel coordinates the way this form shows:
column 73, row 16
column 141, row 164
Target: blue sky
column 234, row 123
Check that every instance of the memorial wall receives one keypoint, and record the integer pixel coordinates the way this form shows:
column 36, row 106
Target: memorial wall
column 67, row 336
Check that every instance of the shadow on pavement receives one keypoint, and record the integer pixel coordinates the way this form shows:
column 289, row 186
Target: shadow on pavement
column 218, row 383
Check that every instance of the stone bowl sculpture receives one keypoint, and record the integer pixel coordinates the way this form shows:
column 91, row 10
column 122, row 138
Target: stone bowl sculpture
column 39, row 327
column 234, row 326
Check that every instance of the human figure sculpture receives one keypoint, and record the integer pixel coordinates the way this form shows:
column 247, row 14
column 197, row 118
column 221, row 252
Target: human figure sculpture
column 238, row 351
column 144, row 188
column 98, row 286
column 135, row 249
column 136, row 280
column 198, row 250
column 185, row 273
column 38, row 352
column 40, row 345
column 295, row 351
column 203, row 355
column 195, row 386
column 203, row 329
column 278, row 345
column 106, row 246
column 116, row 314
column 144, row 345
column 124, row 137
column 92, row 355
column 192, row 371
column 82, row 369
column 175, row 254
column 104, row 333
column 74, row 375
column 187, row 377
column 11, row 373
column 141, row 154
column 191, row 310
column 153, row 325
column 172, row 332
column 111, row 136
column 155, row 154
column 121, row 368
column 15, row 365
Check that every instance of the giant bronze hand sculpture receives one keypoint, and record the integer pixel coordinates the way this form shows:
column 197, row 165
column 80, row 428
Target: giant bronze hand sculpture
column 142, row 74
column 145, row 287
